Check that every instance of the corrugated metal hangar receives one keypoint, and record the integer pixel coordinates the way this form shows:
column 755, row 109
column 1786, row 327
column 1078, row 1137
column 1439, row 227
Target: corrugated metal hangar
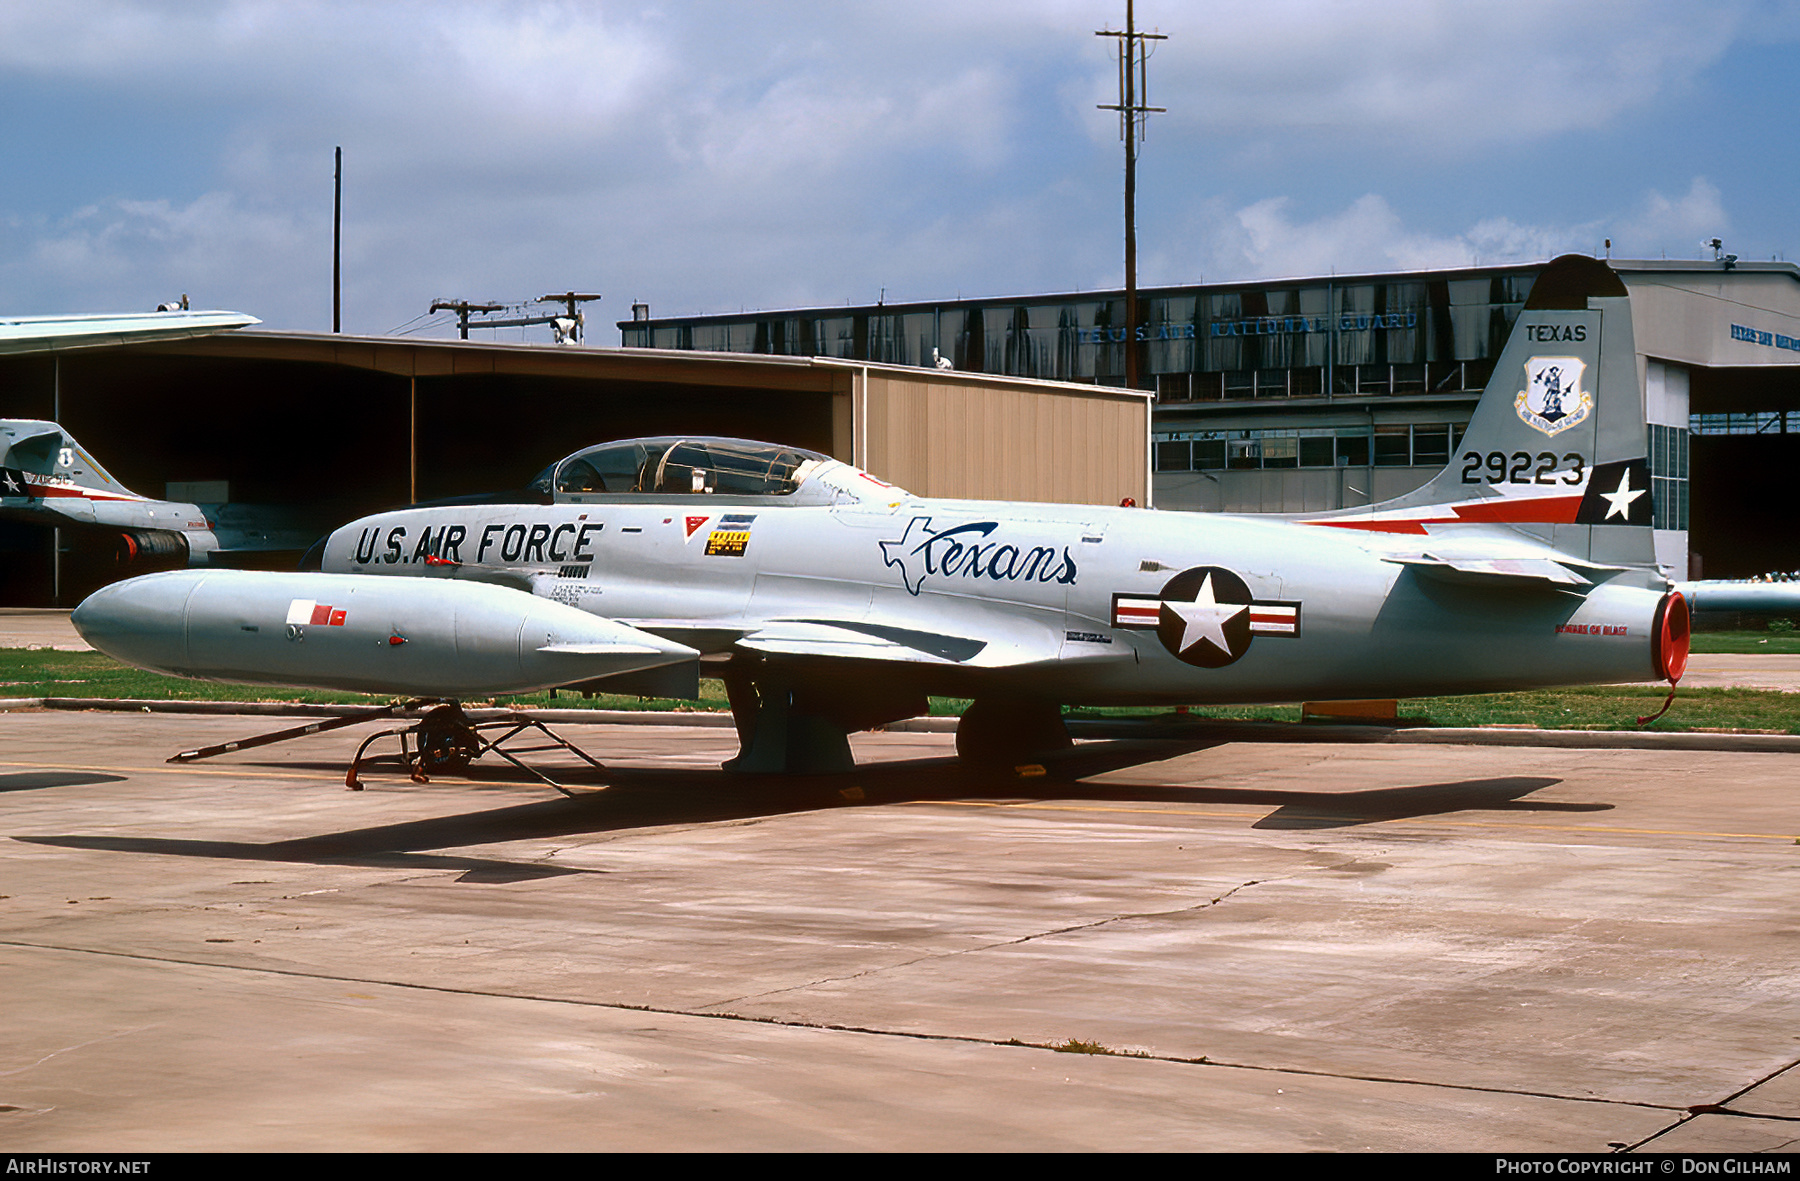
column 338, row 426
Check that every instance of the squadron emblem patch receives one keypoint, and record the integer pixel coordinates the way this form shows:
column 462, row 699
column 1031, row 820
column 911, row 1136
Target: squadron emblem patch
column 1553, row 400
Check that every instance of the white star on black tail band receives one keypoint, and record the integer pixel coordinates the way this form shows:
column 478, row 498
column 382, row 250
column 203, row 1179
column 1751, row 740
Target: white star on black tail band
column 1618, row 493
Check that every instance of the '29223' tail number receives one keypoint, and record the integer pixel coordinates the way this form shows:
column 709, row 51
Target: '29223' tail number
column 1522, row 467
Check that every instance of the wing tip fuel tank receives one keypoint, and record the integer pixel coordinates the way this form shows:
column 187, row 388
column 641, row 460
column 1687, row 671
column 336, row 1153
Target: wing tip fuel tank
column 412, row 636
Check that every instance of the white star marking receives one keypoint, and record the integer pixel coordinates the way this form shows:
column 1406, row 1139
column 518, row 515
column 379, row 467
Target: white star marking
column 1618, row 501
column 1205, row 618
column 12, row 485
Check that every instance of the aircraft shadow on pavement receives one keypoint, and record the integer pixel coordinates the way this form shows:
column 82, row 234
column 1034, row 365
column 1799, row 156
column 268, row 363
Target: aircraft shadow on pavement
column 641, row 797
column 34, row 780
column 1316, row 809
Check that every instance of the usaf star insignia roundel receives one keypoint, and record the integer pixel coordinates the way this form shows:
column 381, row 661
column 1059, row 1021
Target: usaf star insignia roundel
column 1206, row 616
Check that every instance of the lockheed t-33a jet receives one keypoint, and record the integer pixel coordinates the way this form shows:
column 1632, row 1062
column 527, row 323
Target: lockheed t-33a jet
column 835, row 602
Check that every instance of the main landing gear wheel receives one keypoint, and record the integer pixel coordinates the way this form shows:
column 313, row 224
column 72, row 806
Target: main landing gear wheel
column 446, row 741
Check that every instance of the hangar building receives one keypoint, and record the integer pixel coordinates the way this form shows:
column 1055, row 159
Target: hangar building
column 1332, row 392
column 338, row 426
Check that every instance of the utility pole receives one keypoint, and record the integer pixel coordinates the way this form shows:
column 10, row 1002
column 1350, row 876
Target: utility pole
column 567, row 328
column 462, row 308
column 337, row 243
column 574, row 322
column 1134, row 91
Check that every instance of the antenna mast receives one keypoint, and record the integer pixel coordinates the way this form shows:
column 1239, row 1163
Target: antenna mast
column 1134, row 92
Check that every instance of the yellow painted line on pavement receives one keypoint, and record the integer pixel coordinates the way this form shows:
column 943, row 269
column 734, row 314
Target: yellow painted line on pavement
column 187, row 768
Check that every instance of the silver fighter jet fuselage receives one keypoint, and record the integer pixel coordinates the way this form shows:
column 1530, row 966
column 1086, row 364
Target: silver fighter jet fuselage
column 1101, row 606
column 832, row 601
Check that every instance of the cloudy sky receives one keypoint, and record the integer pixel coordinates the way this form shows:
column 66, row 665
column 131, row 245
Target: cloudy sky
column 709, row 157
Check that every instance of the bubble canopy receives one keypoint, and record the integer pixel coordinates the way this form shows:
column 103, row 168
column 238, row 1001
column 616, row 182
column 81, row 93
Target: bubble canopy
column 679, row 465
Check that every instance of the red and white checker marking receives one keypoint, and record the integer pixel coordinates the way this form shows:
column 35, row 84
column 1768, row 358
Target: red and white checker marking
column 302, row 611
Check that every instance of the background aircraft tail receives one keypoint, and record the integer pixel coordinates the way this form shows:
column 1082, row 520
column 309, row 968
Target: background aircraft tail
column 50, row 458
column 1557, row 446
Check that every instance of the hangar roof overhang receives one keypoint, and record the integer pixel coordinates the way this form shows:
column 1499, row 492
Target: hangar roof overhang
column 405, row 357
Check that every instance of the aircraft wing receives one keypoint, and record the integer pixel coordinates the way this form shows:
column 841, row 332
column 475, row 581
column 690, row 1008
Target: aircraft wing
column 38, row 334
column 1006, row 646
column 861, row 641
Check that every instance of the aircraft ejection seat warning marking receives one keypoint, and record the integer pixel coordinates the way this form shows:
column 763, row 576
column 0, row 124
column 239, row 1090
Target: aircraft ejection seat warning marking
column 727, row 543
column 1206, row 617
column 693, row 525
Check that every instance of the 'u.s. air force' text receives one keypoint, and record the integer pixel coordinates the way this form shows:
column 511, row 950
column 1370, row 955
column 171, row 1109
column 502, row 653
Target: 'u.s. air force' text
column 445, row 545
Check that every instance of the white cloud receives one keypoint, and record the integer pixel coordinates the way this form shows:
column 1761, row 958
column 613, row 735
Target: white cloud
column 1676, row 226
column 126, row 255
column 712, row 156
column 1430, row 74
column 1266, row 240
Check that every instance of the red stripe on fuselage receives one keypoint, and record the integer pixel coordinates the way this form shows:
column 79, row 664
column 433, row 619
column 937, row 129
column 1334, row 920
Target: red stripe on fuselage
column 1536, row 510
column 46, row 491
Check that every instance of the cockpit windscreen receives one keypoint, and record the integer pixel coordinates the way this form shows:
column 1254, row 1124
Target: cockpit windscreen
column 678, row 467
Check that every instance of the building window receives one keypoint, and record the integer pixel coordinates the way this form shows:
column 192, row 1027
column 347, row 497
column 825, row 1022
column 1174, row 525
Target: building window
column 1393, row 446
column 1431, row 445
column 1280, row 451
column 1756, row 422
column 1318, row 451
column 1353, row 451
column 1669, row 474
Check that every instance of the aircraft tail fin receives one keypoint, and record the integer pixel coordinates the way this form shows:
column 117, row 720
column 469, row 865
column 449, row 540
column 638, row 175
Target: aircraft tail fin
column 1557, row 446
column 48, row 455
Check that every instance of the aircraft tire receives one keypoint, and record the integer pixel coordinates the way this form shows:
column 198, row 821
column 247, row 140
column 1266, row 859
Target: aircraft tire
column 446, row 743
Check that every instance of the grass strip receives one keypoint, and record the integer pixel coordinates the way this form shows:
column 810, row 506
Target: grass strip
column 36, row 672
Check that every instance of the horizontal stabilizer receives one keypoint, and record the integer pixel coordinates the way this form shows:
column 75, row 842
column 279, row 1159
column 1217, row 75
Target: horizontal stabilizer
column 35, row 452
column 1521, row 572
